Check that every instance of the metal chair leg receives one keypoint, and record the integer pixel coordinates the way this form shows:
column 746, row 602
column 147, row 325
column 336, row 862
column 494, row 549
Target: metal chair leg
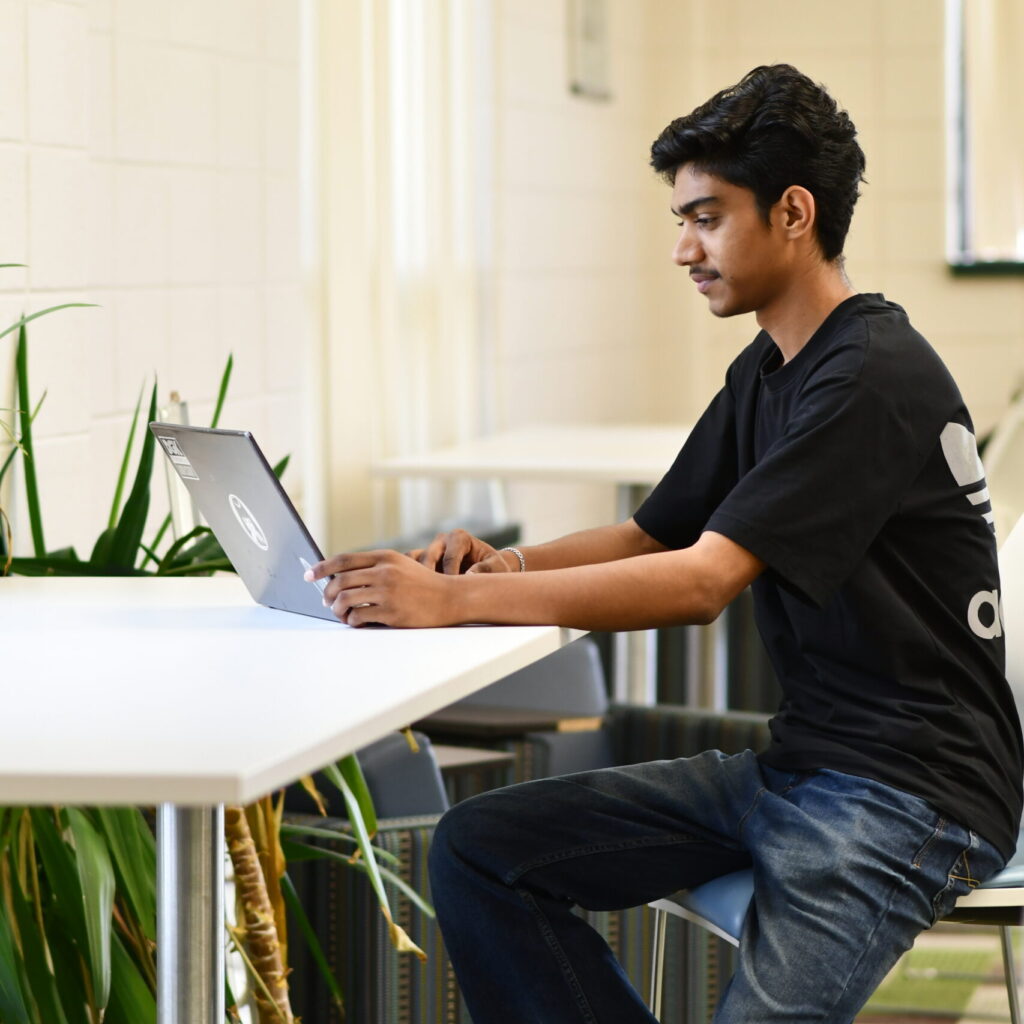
column 1010, row 974
column 658, row 962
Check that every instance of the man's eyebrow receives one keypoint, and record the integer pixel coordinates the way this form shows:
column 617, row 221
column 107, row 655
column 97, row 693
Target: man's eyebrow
column 693, row 204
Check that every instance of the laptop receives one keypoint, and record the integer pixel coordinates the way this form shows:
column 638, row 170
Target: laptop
column 245, row 505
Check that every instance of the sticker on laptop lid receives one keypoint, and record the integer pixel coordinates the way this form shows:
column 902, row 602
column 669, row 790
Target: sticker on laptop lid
column 179, row 458
column 248, row 523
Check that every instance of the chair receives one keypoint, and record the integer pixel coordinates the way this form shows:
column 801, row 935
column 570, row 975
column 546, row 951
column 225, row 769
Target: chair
column 549, row 716
column 721, row 905
column 1004, row 467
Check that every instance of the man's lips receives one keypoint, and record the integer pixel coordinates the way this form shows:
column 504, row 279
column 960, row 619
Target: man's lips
column 702, row 280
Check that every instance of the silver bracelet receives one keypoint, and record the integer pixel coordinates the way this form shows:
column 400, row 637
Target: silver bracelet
column 519, row 555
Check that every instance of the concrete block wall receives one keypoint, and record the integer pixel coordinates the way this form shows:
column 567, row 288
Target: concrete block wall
column 148, row 164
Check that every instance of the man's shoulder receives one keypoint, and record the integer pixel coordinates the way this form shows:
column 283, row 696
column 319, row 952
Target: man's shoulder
column 876, row 342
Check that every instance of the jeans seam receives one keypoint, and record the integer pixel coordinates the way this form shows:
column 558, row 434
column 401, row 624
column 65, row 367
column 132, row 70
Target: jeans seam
column 937, row 833
column 742, row 823
column 893, row 890
column 517, row 872
column 551, row 939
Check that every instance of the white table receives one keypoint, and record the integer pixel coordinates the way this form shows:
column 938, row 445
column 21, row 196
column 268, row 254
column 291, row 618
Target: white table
column 185, row 694
column 632, row 457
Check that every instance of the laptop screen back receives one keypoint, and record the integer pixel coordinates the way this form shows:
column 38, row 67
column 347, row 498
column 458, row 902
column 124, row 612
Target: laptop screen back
column 249, row 512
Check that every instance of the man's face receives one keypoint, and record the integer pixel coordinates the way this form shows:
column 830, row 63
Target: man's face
column 740, row 263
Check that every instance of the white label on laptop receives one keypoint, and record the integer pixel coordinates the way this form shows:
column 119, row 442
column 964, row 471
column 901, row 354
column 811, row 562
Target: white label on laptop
column 248, row 523
column 179, row 458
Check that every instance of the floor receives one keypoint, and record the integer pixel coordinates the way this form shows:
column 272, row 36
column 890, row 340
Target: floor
column 954, row 973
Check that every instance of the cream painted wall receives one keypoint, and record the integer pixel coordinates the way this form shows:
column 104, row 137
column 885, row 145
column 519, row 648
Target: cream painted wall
column 594, row 324
column 886, row 68
column 583, row 287
column 149, row 164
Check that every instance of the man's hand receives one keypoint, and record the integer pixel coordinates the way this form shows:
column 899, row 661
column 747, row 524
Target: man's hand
column 460, row 552
column 385, row 587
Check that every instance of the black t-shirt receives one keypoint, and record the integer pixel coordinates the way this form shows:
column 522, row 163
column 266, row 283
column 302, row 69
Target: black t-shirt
column 853, row 472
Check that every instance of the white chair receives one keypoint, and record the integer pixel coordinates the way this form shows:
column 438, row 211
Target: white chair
column 721, row 905
column 1004, row 468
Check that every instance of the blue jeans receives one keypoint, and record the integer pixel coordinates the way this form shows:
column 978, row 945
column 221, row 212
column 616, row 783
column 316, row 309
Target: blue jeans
column 847, row 873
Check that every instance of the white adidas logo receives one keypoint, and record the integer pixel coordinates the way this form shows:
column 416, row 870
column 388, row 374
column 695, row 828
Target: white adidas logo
column 961, row 451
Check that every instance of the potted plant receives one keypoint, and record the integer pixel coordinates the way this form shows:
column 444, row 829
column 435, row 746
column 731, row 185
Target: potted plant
column 78, row 885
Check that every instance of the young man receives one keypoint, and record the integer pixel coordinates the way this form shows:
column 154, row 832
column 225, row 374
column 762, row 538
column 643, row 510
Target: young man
column 836, row 472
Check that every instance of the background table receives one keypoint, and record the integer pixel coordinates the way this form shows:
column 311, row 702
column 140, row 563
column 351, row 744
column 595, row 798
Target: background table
column 184, row 693
column 632, row 458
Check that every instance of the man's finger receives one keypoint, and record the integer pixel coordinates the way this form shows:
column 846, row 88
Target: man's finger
column 492, row 563
column 344, row 563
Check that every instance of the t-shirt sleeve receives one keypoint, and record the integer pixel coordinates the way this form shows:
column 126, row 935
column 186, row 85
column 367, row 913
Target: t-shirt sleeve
column 704, row 472
column 820, row 494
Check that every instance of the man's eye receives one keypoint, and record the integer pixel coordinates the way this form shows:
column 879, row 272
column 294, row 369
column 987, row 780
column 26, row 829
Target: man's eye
column 703, row 222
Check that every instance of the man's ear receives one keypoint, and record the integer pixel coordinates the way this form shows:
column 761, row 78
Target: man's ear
column 797, row 211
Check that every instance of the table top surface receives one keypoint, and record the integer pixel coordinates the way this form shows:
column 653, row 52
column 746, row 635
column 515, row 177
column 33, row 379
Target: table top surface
column 129, row 691
column 627, row 454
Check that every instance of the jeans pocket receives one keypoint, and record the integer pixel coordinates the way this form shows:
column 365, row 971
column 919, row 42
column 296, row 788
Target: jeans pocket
column 960, row 879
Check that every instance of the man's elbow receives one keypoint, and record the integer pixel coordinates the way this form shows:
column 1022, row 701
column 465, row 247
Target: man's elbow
column 708, row 604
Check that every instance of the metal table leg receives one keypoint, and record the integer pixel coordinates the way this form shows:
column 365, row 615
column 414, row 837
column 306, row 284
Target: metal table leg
column 635, row 655
column 190, row 915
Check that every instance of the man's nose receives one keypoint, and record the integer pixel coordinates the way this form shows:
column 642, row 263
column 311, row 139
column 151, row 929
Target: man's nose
column 687, row 249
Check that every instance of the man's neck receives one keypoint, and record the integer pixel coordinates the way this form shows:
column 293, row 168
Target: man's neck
column 794, row 316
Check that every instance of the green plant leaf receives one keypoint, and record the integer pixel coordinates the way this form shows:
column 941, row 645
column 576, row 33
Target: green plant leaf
column 67, row 969
column 222, row 391
column 150, row 549
column 50, row 566
column 200, row 568
column 31, row 484
column 205, row 549
column 8, row 823
column 282, row 466
column 172, row 552
column 359, row 825
column 304, row 851
column 218, row 408
column 41, row 983
column 351, row 771
column 125, row 459
column 96, row 876
column 294, row 904
column 3, row 265
column 124, row 547
column 101, row 549
column 18, row 324
column 132, row 1000
column 133, row 851
column 61, row 873
column 290, row 829
column 12, row 1001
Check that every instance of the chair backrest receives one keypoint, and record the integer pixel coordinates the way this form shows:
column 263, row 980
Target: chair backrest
column 403, row 783
column 1004, row 467
column 1011, row 574
column 571, row 679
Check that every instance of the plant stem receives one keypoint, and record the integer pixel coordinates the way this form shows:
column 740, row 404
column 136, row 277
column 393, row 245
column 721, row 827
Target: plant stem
column 260, row 929
column 31, row 485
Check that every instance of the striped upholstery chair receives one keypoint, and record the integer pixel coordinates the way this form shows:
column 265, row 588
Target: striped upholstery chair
column 381, row 987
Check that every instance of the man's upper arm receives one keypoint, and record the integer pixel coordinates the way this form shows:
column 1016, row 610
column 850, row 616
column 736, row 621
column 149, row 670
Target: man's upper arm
column 725, row 567
column 637, row 537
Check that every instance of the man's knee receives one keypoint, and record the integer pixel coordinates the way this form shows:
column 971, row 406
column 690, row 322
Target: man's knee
column 463, row 837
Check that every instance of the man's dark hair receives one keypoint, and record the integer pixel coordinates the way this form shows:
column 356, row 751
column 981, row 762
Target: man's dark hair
column 773, row 129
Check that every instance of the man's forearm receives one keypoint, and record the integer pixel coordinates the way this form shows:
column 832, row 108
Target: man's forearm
column 589, row 547
column 640, row 592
